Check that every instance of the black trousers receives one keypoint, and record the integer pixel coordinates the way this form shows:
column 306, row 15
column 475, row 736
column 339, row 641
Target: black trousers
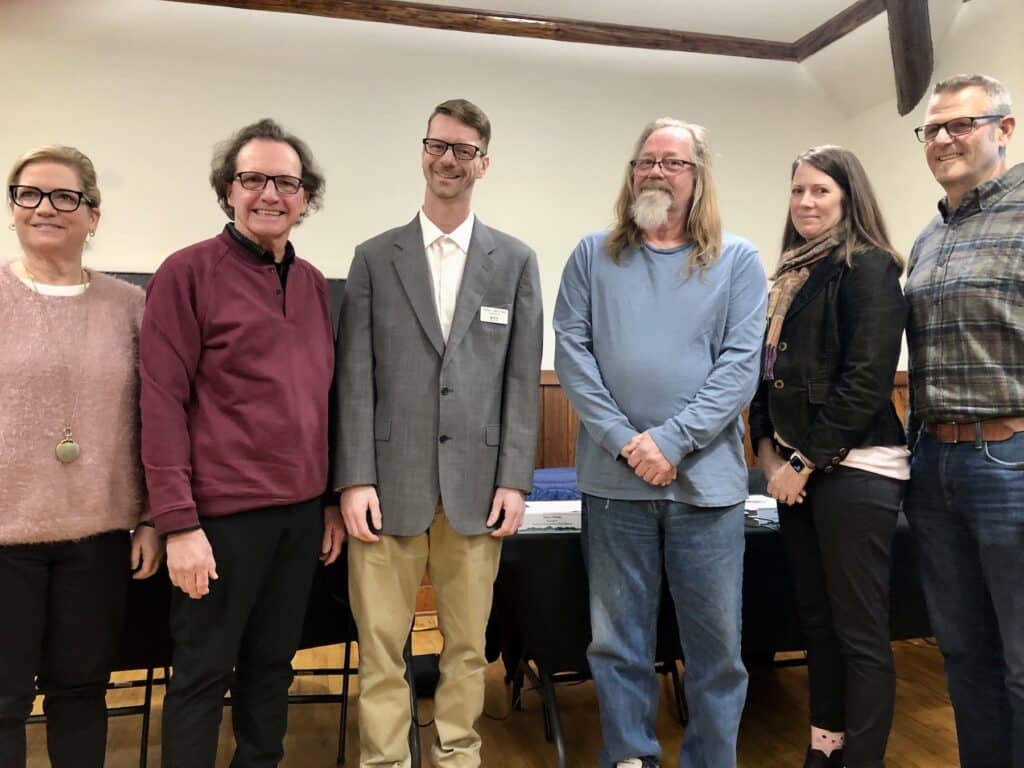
column 61, row 618
column 839, row 543
column 242, row 636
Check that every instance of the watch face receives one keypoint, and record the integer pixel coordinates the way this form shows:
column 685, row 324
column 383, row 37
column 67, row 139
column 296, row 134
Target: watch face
column 797, row 463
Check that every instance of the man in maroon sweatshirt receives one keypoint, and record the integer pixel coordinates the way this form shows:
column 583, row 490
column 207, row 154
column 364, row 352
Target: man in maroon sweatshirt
column 236, row 358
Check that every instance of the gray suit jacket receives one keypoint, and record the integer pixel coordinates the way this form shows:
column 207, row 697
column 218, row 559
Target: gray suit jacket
column 425, row 421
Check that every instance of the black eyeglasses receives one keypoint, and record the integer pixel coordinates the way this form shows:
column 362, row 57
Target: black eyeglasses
column 63, row 200
column 255, row 181
column 461, row 151
column 958, row 126
column 670, row 166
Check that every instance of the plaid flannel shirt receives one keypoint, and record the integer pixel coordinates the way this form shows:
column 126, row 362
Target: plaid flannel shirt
column 965, row 286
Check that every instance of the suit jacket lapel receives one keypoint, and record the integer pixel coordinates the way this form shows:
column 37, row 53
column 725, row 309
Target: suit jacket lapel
column 479, row 262
column 410, row 262
column 816, row 282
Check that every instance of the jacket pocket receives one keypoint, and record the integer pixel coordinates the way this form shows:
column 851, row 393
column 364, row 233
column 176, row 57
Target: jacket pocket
column 817, row 391
column 492, row 434
column 381, row 428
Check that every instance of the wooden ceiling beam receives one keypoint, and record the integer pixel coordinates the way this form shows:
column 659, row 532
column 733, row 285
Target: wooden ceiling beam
column 840, row 25
column 577, row 31
column 913, row 59
column 493, row 23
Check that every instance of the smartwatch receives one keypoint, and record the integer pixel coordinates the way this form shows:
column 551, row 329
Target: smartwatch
column 799, row 464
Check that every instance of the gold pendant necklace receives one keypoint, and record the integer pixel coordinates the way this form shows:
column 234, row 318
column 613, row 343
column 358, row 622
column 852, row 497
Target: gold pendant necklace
column 67, row 450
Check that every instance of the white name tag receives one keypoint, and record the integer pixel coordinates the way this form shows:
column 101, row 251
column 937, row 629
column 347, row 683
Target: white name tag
column 497, row 315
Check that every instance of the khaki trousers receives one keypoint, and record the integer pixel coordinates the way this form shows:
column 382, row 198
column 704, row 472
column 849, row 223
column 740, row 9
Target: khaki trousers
column 383, row 579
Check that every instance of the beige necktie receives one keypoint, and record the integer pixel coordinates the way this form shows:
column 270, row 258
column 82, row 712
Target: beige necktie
column 444, row 292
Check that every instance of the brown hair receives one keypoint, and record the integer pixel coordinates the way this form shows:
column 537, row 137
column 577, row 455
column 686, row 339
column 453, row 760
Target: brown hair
column 704, row 222
column 77, row 161
column 468, row 113
column 863, row 227
column 223, row 167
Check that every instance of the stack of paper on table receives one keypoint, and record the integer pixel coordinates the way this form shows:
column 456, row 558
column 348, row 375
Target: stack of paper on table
column 762, row 507
column 552, row 516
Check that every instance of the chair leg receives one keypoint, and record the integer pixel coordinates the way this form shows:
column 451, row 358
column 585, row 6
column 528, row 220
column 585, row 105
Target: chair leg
column 343, row 725
column 517, row 688
column 679, row 689
column 146, row 709
column 547, row 690
column 552, row 719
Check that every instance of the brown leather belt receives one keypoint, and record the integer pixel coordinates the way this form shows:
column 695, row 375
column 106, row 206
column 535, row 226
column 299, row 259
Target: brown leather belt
column 992, row 430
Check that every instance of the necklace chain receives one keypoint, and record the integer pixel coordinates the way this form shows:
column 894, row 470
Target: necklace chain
column 70, row 390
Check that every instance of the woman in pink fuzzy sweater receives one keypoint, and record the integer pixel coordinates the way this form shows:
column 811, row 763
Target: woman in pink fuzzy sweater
column 71, row 486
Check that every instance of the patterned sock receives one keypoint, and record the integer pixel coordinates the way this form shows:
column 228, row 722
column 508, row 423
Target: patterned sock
column 827, row 741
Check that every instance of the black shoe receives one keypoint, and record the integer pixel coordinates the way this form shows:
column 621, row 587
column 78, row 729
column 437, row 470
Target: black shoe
column 817, row 759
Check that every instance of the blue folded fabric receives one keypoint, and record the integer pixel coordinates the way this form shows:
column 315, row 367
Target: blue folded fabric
column 554, row 484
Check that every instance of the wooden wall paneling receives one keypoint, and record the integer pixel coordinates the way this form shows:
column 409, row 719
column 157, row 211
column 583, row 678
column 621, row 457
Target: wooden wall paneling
column 901, row 395
column 556, row 442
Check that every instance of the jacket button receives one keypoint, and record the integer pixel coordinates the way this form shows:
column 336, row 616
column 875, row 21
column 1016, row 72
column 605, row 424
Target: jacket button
column 443, row 439
column 446, row 391
column 783, row 346
column 827, row 470
column 835, row 459
column 843, row 451
column 778, row 384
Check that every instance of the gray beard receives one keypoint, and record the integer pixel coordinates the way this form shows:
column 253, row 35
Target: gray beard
column 650, row 209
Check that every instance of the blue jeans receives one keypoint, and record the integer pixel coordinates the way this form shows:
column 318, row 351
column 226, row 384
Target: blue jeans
column 626, row 546
column 965, row 505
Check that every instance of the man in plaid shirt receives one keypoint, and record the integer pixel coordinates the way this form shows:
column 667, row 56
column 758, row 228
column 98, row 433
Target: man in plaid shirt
column 965, row 501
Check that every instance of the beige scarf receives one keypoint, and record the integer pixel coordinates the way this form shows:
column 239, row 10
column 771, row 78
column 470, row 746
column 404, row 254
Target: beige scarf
column 793, row 271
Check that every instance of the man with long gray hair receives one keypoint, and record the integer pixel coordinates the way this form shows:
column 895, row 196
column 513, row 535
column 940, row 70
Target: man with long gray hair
column 965, row 335
column 658, row 330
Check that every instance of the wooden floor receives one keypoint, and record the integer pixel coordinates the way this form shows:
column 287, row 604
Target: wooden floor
column 773, row 733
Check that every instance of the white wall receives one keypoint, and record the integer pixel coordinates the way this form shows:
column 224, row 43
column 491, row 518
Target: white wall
column 985, row 36
column 146, row 88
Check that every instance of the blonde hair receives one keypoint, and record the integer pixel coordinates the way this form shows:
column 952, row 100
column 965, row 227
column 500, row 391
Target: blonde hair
column 77, row 161
column 704, row 221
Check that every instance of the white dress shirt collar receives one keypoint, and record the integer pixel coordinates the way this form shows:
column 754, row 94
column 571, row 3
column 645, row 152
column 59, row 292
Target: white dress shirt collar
column 462, row 234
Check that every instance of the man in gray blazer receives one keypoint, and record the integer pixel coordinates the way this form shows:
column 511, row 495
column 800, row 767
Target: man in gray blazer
column 438, row 385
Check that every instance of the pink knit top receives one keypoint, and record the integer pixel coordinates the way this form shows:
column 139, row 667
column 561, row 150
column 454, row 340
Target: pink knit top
column 40, row 498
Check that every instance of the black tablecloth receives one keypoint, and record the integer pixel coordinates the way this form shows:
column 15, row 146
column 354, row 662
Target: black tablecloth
column 541, row 610
column 146, row 640
column 540, row 605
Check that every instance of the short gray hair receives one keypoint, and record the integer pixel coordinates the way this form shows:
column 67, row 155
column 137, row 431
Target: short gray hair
column 998, row 94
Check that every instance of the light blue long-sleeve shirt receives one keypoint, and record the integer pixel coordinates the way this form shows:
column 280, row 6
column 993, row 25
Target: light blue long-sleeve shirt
column 642, row 344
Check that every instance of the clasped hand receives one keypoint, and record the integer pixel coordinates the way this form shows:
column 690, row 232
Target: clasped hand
column 785, row 484
column 647, row 460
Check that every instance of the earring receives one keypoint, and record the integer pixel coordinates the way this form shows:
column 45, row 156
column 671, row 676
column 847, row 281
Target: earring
column 92, row 233
column 11, row 226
